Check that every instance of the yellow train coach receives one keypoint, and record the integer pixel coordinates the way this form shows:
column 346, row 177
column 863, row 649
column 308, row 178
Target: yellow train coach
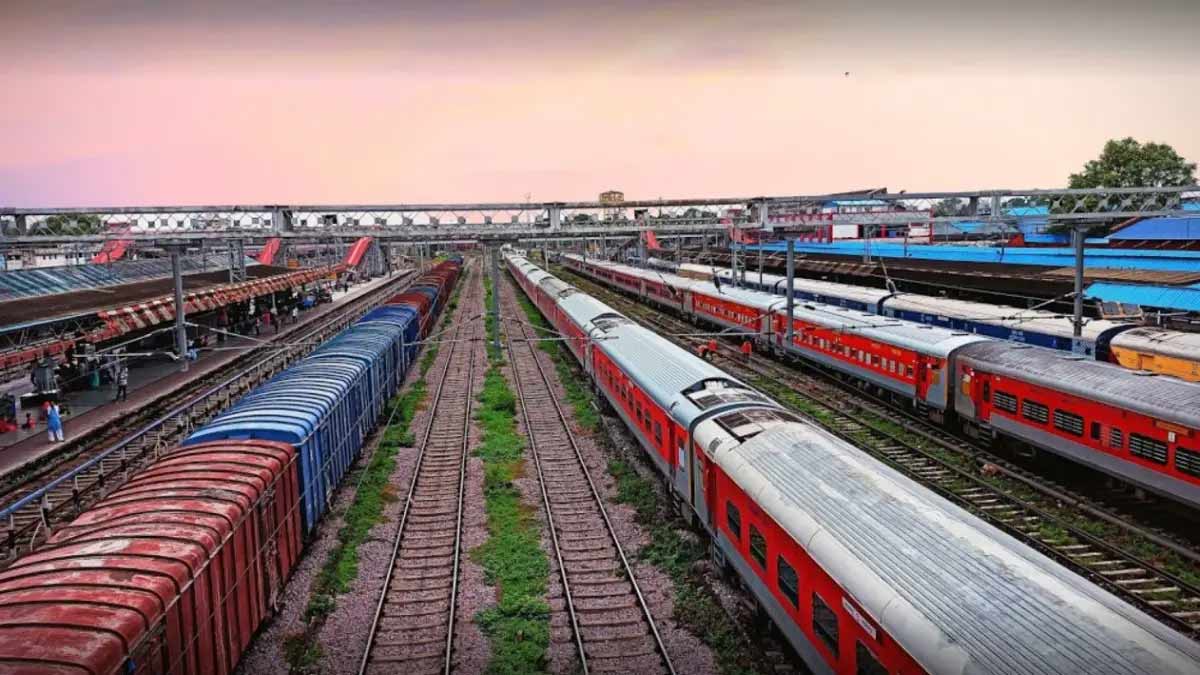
column 1165, row 352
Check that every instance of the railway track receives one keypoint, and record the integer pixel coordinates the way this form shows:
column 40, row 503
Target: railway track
column 57, row 489
column 412, row 630
column 1107, row 548
column 612, row 626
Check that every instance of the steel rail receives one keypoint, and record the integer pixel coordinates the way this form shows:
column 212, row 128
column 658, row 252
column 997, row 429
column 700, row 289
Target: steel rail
column 409, row 501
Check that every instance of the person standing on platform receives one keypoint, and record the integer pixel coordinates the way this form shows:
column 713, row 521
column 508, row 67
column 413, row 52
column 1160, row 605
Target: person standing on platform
column 295, row 314
column 122, row 384
column 54, row 425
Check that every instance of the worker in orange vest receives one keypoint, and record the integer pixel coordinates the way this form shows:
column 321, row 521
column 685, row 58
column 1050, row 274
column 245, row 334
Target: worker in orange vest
column 746, row 349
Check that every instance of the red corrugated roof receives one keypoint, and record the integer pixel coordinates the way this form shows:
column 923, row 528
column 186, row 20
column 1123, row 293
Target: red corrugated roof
column 271, row 249
column 355, row 256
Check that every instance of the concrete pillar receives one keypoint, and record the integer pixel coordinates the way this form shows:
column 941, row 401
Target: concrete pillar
column 555, row 213
column 281, row 220
column 21, row 221
column 1077, row 236
column 180, row 326
column 733, row 259
column 760, row 262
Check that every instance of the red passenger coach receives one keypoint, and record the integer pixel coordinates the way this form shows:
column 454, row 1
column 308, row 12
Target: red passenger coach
column 863, row 570
column 172, row 573
column 1140, row 427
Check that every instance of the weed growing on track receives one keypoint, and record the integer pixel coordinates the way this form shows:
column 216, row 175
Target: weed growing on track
column 512, row 558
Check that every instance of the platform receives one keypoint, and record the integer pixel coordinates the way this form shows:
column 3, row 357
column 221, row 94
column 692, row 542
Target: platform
column 89, row 301
column 94, row 409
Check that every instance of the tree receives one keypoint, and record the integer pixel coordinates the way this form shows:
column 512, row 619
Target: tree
column 950, row 206
column 1127, row 163
column 83, row 223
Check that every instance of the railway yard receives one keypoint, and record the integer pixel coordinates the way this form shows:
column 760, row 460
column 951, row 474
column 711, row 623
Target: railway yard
column 494, row 460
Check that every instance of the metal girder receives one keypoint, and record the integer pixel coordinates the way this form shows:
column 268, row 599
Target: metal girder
column 515, row 220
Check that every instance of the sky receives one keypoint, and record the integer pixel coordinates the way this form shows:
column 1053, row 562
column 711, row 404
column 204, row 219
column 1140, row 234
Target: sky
column 252, row 102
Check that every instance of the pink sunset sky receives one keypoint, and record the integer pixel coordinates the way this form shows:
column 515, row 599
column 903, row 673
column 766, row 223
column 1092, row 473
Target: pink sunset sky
column 113, row 103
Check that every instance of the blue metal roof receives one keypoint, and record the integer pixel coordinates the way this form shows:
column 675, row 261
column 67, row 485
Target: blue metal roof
column 1161, row 228
column 1026, row 211
column 1168, row 297
column 1054, row 256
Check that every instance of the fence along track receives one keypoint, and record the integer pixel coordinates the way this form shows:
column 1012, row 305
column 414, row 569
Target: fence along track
column 413, row 628
column 104, row 461
column 613, row 628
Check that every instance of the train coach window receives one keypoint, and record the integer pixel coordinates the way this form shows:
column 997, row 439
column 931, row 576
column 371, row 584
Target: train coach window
column 658, row 435
column 987, row 392
column 1006, row 401
column 1096, row 430
column 1148, row 448
column 789, row 583
column 758, row 547
column 1034, row 411
column 733, row 519
column 1187, row 461
column 865, row 661
column 825, row 623
column 1115, row 439
column 1068, row 422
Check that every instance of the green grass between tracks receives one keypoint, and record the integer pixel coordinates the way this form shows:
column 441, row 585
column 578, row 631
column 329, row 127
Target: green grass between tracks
column 512, row 558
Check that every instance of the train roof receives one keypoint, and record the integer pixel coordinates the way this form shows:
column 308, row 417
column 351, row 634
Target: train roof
column 582, row 308
column 1047, row 323
column 1017, row 318
column 677, row 379
column 957, row 594
column 907, row 334
column 554, row 286
column 680, row 382
column 1165, row 398
column 864, row 294
column 1171, row 343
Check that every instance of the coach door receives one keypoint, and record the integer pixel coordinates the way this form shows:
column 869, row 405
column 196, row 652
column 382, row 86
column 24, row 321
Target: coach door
column 683, row 464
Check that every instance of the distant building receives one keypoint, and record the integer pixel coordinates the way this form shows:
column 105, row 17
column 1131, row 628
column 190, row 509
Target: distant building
column 612, row 201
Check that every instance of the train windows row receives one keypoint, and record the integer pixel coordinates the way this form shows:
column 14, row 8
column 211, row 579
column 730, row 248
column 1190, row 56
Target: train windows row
column 824, row 618
column 1186, row 461
column 863, row 357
